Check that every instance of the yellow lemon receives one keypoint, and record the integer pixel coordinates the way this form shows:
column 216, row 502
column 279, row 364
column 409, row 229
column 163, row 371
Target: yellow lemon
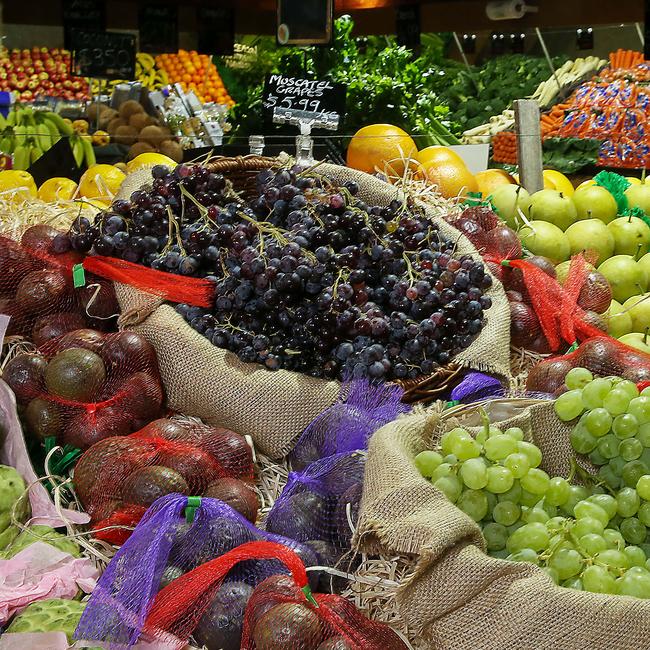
column 101, row 182
column 57, row 189
column 150, row 158
column 94, row 203
column 561, row 182
column 17, row 185
column 634, row 180
column 588, row 183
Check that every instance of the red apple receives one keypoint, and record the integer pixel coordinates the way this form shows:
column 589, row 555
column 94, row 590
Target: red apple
column 27, row 95
column 43, row 76
column 21, row 84
column 67, row 84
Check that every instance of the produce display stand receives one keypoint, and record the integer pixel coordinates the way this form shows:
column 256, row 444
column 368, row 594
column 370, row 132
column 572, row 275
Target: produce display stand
column 307, row 378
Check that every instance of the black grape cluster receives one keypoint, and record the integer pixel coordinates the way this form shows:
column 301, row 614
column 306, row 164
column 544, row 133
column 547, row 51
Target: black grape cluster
column 308, row 277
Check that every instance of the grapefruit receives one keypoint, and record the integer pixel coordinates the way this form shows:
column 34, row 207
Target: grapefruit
column 490, row 179
column 101, row 182
column 57, row 189
column 437, row 154
column 452, row 178
column 379, row 147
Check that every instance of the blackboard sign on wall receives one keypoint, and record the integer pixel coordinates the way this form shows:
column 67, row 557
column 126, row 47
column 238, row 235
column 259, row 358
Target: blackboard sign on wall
column 87, row 15
column 305, row 22
column 408, row 26
column 158, row 27
column 103, row 55
column 216, row 30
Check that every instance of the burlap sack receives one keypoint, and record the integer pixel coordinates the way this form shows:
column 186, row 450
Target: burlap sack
column 458, row 597
column 274, row 407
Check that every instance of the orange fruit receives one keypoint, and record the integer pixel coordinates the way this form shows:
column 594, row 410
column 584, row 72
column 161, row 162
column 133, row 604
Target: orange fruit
column 380, row 146
column 437, row 154
column 451, row 177
column 491, row 178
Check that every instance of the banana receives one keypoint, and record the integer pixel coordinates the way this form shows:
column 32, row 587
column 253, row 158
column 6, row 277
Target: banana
column 43, row 137
column 21, row 132
column 28, row 116
column 7, row 145
column 62, row 126
column 3, row 122
column 35, row 153
column 146, row 60
column 77, row 150
column 89, row 153
column 11, row 118
column 51, row 127
column 21, row 157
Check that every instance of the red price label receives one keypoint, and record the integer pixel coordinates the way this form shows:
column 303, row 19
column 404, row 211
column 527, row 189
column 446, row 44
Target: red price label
column 5, row 161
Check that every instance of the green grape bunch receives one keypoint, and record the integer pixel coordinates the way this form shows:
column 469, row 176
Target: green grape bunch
column 583, row 537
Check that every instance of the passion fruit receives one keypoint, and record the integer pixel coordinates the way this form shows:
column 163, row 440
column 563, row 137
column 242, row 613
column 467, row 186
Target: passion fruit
column 166, row 429
column 238, row 495
column 41, row 292
column 288, row 626
column 88, row 427
column 196, row 466
column 43, row 419
column 100, row 304
column 146, row 485
column 300, row 517
column 335, row 643
column 220, row 628
column 24, row 375
column 88, row 339
column 39, row 238
column 128, row 352
column 15, row 263
column 52, row 326
column 75, row 374
column 170, row 574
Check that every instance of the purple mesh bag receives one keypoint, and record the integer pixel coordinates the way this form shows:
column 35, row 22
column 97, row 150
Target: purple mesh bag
column 320, row 505
column 361, row 409
column 477, row 386
column 176, row 534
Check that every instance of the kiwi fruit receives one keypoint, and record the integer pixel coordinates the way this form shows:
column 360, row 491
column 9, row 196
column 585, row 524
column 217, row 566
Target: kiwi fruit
column 128, row 108
column 288, row 626
column 43, row 419
column 138, row 148
column 125, row 135
column 172, row 149
column 75, row 374
column 147, row 484
column 238, row 495
column 139, row 121
column 106, row 116
column 24, row 374
column 153, row 135
column 114, row 125
column 42, row 291
column 95, row 110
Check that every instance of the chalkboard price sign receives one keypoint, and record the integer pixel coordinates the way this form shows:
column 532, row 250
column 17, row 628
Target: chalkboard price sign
column 103, row 55
column 408, row 26
column 87, row 15
column 216, row 30
column 158, row 27
column 323, row 100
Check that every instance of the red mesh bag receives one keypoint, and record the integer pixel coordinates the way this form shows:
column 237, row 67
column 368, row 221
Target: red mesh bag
column 85, row 386
column 38, row 293
column 231, row 449
column 603, row 355
column 117, row 479
column 282, row 613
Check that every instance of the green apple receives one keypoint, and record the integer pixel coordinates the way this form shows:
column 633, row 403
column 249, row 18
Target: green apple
column 631, row 236
column 544, row 238
column 638, row 307
column 591, row 235
column 618, row 319
column 637, row 340
column 562, row 270
column 595, row 202
column 554, row 207
column 507, row 200
column 638, row 196
column 644, row 263
column 625, row 276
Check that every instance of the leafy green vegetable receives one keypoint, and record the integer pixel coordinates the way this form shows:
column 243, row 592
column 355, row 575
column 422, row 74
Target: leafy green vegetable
column 569, row 155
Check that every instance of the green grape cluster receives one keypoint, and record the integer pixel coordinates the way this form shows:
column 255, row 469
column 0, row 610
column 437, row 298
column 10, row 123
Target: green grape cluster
column 613, row 429
column 583, row 538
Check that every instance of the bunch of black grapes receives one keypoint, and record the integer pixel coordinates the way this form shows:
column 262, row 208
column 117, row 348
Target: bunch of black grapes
column 308, row 277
